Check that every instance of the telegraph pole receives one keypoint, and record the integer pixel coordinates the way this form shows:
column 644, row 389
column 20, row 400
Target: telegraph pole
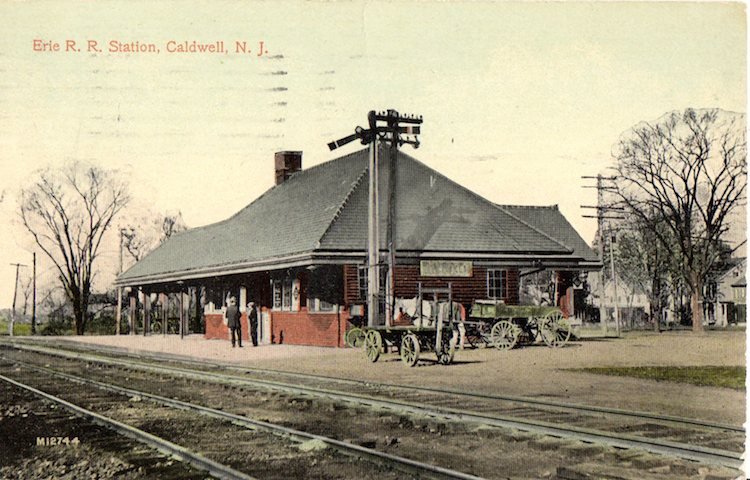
column 33, row 296
column 614, row 278
column 15, row 294
column 601, row 210
column 373, row 238
column 398, row 135
column 118, row 314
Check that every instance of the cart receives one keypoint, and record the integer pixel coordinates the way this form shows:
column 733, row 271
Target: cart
column 410, row 341
column 505, row 326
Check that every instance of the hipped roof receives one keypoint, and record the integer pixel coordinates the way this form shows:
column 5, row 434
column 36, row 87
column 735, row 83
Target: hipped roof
column 323, row 210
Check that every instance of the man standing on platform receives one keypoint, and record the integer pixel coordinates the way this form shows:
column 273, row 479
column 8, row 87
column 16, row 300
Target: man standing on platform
column 233, row 320
column 252, row 322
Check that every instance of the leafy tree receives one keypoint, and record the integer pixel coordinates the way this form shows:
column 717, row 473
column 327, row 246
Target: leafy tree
column 685, row 173
column 67, row 211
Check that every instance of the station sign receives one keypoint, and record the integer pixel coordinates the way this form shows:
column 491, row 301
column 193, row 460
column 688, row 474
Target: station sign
column 445, row 268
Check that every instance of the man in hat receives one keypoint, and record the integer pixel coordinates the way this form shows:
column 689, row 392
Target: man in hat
column 252, row 322
column 233, row 320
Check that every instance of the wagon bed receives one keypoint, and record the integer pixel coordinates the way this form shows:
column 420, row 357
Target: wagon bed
column 505, row 326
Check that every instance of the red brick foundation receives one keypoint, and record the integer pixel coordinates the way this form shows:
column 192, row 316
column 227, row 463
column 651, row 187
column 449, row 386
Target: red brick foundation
column 292, row 328
column 215, row 327
column 303, row 328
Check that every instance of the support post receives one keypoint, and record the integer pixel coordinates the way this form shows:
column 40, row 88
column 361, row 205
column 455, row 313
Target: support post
column 198, row 311
column 146, row 313
column 133, row 307
column 118, row 313
column 439, row 325
column 182, row 315
column 556, row 277
column 164, row 301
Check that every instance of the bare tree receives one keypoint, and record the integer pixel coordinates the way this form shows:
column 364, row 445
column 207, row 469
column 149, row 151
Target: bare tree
column 645, row 264
column 687, row 172
column 147, row 231
column 68, row 211
column 26, row 291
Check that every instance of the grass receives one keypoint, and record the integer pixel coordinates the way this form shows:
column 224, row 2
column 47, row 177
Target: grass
column 18, row 328
column 708, row 376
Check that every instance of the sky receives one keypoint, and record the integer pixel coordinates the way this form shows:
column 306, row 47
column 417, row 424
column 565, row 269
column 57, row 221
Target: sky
column 519, row 100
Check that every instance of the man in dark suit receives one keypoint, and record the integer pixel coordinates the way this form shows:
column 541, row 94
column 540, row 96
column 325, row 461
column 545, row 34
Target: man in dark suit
column 252, row 322
column 233, row 320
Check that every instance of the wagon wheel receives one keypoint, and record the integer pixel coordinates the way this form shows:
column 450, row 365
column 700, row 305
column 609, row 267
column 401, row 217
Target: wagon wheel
column 373, row 345
column 410, row 349
column 555, row 330
column 355, row 337
column 447, row 350
column 155, row 327
column 504, row 335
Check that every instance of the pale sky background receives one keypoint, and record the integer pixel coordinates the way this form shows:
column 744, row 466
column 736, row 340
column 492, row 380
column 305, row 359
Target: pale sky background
column 519, row 99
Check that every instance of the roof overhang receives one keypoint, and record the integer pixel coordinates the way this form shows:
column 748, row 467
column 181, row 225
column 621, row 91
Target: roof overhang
column 519, row 260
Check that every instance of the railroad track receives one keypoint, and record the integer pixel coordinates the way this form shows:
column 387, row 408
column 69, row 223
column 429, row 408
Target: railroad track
column 390, row 466
column 162, row 445
column 378, row 387
column 47, row 439
column 444, row 408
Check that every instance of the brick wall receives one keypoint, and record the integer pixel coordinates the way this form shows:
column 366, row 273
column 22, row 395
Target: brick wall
column 303, row 328
column 465, row 289
column 215, row 327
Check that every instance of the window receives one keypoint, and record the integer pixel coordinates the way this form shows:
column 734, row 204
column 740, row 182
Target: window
column 362, row 283
column 276, row 294
column 286, row 296
column 217, row 296
column 282, row 294
column 318, row 305
column 496, row 284
column 739, row 294
column 325, row 288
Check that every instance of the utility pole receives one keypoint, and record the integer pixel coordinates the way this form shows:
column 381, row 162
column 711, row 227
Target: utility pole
column 614, row 278
column 373, row 238
column 601, row 210
column 118, row 313
column 397, row 135
column 33, row 296
column 15, row 294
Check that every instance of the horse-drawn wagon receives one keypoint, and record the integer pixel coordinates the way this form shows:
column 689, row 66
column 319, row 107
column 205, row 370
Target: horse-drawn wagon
column 505, row 326
column 433, row 331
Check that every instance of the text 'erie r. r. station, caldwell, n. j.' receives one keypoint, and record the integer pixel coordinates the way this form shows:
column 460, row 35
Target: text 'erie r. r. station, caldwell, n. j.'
column 242, row 47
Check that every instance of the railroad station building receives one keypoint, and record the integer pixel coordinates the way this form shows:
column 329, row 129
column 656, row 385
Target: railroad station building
column 299, row 250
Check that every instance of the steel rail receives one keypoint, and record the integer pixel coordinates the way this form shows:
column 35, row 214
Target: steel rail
column 165, row 446
column 663, row 447
column 573, row 407
column 393, row 461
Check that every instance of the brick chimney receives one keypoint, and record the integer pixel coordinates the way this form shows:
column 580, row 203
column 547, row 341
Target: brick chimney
column 286, row 164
